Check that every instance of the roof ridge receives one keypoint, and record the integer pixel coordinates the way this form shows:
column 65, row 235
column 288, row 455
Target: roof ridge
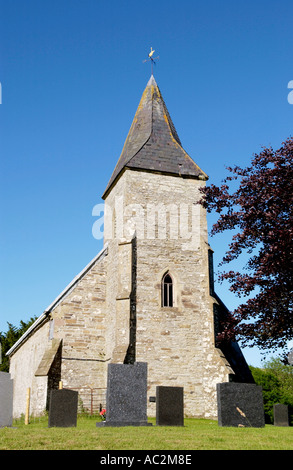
column 60, row 297
column 150, row 83
column 152, row 78
column 169, row 119
column 152, row 143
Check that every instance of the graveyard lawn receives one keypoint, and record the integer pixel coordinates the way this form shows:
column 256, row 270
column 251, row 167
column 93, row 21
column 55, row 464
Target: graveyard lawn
column 197, row 434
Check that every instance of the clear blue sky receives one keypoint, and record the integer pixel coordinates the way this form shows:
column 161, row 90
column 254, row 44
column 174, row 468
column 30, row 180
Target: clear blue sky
column 72, row 75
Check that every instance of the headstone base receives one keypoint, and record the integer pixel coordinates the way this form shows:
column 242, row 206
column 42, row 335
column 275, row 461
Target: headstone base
column 121, row 424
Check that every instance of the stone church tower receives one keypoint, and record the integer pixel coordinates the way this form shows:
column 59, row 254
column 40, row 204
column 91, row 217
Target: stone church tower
column 148, row 296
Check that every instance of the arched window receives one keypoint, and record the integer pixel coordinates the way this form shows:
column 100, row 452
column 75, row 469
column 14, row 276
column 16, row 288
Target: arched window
column 167, row 291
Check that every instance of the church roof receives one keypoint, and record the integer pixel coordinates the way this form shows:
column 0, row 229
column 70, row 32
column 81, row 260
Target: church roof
column 152, row 143
column 44, row 316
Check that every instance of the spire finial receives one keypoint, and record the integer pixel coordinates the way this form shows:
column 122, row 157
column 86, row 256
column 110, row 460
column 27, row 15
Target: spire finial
column 151, row 58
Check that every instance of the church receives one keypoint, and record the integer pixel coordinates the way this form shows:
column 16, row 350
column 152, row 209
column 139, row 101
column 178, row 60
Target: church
column 148, row 296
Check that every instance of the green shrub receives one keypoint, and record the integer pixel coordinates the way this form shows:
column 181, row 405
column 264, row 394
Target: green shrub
column 276, row 380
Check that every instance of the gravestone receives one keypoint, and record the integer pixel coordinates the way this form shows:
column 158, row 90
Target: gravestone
column 63, row 408
column 6, row 400
column 281, row 415
column 126, row 399
column 169, row 406
column 240, row 404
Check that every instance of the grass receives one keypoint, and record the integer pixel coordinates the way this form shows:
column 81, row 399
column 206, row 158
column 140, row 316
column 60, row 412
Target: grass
column 197, row 434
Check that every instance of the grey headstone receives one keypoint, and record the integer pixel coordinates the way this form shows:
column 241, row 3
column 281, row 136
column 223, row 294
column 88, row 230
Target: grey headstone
column 290, row 357
column 281, row 415
column 63, row 408
column 169, row 406
column 6, row 400
column 238, row 399
column 126, row 400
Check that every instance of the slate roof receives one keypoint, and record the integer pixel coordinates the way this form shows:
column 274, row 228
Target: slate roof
column 152, row 143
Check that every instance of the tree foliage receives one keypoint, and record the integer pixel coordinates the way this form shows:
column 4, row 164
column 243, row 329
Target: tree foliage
column 270, row 391
column 276, row 380
column 260, row 211
column 8, row 339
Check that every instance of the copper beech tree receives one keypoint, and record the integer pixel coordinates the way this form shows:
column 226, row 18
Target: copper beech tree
column 260, row 212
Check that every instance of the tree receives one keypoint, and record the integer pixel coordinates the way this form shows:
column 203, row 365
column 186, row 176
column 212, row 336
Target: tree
column 284, row 373
column 8, row 339
column 271, row 390
column 276, row 380
column 260, row 211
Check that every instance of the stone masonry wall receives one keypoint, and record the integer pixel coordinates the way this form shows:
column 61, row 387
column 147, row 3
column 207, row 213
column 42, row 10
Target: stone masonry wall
column 81, row 321
column 119, row 298
column 23, row 365
column 178, row 342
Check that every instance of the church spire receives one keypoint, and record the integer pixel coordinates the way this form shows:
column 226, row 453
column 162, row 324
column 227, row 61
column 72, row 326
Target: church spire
column 152, row 143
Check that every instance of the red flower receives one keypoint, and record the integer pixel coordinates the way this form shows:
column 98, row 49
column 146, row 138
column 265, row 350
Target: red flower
column 103, row 413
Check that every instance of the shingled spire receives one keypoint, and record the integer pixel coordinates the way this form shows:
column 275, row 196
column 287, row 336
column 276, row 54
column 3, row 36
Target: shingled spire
column 152, row 143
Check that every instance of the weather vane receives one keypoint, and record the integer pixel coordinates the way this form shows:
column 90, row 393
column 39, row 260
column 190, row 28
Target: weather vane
column 151, row 58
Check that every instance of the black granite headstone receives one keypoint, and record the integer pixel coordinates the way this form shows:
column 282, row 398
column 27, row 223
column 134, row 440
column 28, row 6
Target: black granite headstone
column 6, row 399
column 281, row 415
column 240, row 404
column 63, row 408
column 126, row 399
column 169, row 406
